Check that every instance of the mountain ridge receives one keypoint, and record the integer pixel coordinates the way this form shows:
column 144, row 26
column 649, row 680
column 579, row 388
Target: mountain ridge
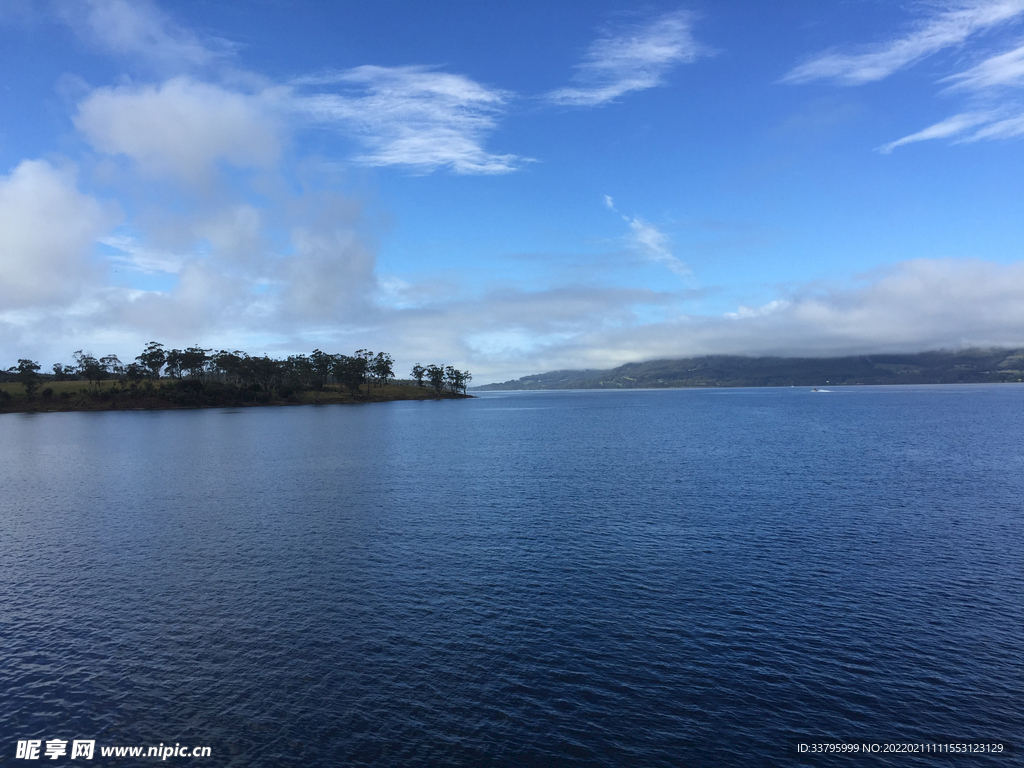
column 968, row 366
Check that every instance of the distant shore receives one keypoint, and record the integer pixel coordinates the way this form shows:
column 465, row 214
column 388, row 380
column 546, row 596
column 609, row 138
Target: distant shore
column 72, row 396
column 966, row 366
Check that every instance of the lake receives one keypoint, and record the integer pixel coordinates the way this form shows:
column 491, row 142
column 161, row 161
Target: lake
column 649, row 578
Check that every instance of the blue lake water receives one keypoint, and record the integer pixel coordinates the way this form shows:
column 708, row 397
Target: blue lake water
column 656, row 578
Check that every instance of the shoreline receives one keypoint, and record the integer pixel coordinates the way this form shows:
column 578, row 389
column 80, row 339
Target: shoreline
column 66, row 401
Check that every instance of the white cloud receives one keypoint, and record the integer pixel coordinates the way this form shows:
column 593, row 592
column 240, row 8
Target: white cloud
column 951, row 126
column 412, row 116
column 48, row 230
column 1004, row 69
column 329, row 277
column 609, row 203
column 632, row 59
column 139, row 28
column 182, row 128
column 951, row 26
column 1000, row 129
column 914, row 306
column 135, row 256
column 992, row 127
column 947, row 28
column 655, row 245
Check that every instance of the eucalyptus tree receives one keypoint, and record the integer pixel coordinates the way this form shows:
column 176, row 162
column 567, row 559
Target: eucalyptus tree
column 89, row 368
column 265, row 372
column 28, row 375
column 322, row 364
column 418, row 372
column 63, row 372
column 383, row 367
column 350, row 372
column 173, row 362
column 366, row 366
column 453, row 378
column 436, row 375
column 194, row 360
column 153, row 358
column 113, row 367
column 231, row 367
column 135, row 373
column 456, row 380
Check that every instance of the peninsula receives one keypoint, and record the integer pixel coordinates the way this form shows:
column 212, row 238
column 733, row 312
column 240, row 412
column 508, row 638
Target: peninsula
column 201, row 378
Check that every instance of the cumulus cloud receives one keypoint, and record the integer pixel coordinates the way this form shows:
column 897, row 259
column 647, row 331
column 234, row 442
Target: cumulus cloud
column 412, row 116
column 48, row 232
column 951, row 26
column 138, row 28
column 631, row 59
column 182, row 127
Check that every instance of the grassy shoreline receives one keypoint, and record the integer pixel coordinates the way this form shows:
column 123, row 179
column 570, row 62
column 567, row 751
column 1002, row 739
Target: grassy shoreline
column 72, row 396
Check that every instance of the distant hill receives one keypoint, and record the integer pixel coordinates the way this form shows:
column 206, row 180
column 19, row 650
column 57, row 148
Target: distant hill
column 969, row 366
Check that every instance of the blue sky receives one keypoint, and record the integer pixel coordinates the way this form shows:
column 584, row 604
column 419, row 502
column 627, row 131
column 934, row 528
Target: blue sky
column 511, row 187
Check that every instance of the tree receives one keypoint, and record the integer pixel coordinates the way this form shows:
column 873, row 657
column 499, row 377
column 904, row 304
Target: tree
column 89, row 368
column 173, row 362
column 28, row 375
column 265, row 371
column 153, row 358
column 322, row 364
column 418, row 372
column 367, row 357
column 383, row 367
column 453, row 378
column 135, row 373
column 456, row 380
column 350, row 371
column 113, row 366
column 194, row 361
column 436, row 375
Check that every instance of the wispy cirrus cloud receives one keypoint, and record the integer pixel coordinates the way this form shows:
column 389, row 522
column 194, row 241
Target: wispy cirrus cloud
column 950, row 27
column 960, row 126
column 414, row 116
column 630, row 59
column 1004, row 69
column 990, row 114
column 140, row 29
column 655, row 245
column 956, row 125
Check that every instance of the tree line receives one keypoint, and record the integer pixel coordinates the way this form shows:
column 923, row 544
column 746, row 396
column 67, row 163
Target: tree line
column 195, row 369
